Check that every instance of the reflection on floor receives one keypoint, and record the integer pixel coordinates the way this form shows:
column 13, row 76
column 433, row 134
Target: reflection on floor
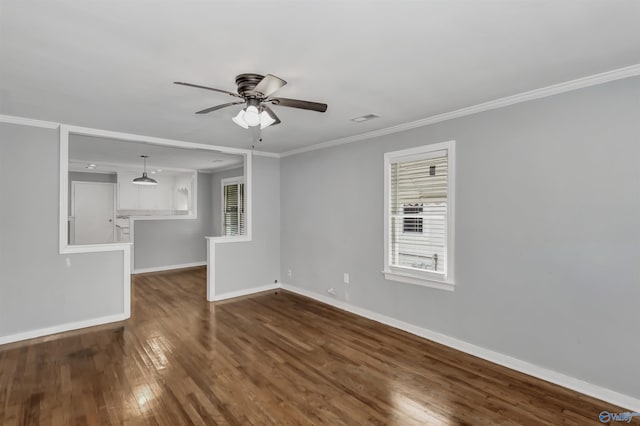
column 274, row 358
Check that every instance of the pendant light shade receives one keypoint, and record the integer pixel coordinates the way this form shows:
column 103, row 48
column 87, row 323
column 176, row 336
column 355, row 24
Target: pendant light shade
column 144, row 179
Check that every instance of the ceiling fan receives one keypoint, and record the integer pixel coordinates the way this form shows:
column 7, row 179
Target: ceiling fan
column 255, row 91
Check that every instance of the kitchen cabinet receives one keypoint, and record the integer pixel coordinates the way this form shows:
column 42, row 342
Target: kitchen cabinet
column 172, row 193
column 157, row 197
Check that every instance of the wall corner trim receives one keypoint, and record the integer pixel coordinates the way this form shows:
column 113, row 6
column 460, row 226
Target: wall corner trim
column 595, row 391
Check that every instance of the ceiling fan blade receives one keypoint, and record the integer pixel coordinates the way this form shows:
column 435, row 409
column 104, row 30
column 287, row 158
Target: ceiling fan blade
column 272, row 114
column 217, row 107
column 269, row 84
column 295, row 103
column 207, row 88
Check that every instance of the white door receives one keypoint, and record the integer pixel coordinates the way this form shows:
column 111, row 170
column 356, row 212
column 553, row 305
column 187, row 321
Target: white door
column 93, row 210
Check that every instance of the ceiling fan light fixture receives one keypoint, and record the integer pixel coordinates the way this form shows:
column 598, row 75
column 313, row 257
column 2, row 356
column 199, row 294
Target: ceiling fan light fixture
column 252, row 115
column 266, row 120
column 239, row 120
column 255, row 92
column 144, row 179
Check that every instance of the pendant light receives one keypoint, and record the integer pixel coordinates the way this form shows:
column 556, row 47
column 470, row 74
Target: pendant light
column 144, row 179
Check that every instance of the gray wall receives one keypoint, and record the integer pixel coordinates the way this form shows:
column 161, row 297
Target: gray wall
column 216, row 200
column 175, row 241
column 37, row 289
column 547, row 231
column 244, row 265
column 89, row 177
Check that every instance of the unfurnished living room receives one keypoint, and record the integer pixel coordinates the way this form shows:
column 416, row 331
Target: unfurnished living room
column 319, row 212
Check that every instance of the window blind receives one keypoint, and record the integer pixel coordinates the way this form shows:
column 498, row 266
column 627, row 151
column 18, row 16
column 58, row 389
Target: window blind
column 234, row 209
column 418, row 213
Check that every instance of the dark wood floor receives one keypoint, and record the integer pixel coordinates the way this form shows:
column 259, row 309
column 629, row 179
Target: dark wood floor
column 274, row 358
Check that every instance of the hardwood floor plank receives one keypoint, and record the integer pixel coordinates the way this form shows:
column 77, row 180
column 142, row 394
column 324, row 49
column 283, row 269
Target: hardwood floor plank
column 269, row 359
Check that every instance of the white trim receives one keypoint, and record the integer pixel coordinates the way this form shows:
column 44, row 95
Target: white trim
column 168, row 267
column 416, row 280
column 115, row 168
column 31, row 334
column 446, row 281
column 248, row 195
column 595, row 391
column 267, row 154
column 223, row 169
column 130, row 137
column 64, row 190
column 211, row 276
column 126, row 271
column 65, row 130
column 555, row 89
column 245, row 292
column 28, row 122
column 230, row 239
column 230, row 180
column 73, row 169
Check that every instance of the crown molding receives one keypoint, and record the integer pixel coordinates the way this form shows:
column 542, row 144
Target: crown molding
column 28, row 122
column 267, row 154
column 567, row 86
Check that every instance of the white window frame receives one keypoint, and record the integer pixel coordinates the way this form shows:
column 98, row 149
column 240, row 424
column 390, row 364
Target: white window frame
column 230, row 181
column 428, row 279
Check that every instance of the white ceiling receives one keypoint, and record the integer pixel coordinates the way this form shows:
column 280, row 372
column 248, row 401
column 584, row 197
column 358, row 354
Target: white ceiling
column 106, row 153
column 111, row 64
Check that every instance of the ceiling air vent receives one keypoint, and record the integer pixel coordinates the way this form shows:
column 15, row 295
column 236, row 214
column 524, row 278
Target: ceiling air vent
column 364, row 118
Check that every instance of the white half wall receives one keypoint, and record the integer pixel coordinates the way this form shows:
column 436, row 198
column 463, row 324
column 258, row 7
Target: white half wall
column 242, row 267
column 42, row 291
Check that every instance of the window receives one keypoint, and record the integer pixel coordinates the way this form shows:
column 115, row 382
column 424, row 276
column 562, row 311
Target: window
column 233, row 206
column 419, row 200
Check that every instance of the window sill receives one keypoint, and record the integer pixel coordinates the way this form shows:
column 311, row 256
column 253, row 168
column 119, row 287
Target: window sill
column 418, row 280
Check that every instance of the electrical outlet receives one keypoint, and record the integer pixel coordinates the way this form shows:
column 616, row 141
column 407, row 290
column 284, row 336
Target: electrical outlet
column 289, row 272
column 346, row 278
column 68, row 262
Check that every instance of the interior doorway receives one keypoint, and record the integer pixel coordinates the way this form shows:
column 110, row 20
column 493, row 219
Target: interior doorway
column 93, row 212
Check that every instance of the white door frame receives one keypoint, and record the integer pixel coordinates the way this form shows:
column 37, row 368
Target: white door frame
column 72, row 232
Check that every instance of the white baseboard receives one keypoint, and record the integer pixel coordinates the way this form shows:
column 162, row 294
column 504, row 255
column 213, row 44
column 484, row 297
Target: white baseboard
column 245, row 292
column 168, row 267
column 595, row 391
column 31, row 334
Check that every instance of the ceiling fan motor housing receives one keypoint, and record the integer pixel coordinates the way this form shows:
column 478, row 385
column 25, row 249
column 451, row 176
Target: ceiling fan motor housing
column 247, row 83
